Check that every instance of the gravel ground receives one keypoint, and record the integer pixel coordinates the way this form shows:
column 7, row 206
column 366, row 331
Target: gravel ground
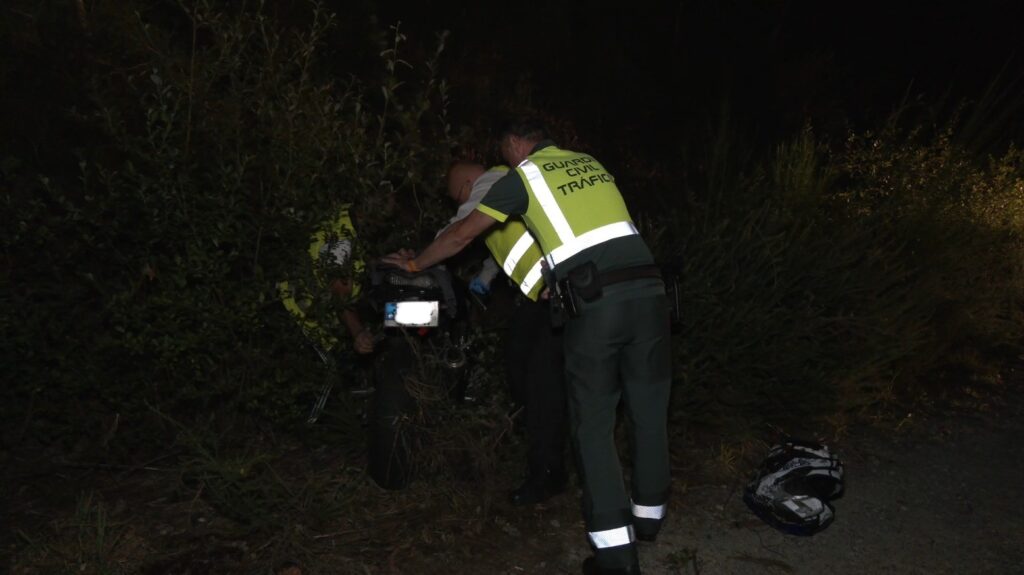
column 912, row 506
column 939, row 496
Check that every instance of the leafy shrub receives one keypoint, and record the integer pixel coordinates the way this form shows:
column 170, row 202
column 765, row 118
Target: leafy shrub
column 826, row 279
column 217, row 148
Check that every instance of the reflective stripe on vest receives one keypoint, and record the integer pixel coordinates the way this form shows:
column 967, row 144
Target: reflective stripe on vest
column 332, row 245
column 532, row 277
column 535, row 274
column 612, row 537
column 648, row 511
column 589, row 240
column 568, row 242
column 516, row 253
column 540, row 188
column 519, row 256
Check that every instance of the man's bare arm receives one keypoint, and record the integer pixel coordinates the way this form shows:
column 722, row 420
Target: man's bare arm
column 449, row 243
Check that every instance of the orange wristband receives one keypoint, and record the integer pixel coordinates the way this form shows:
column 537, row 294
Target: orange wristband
column 411, row 266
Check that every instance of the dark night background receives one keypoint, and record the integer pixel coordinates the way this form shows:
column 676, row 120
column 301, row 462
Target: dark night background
column 657, row 71
column 653, row 75
column 839, row 187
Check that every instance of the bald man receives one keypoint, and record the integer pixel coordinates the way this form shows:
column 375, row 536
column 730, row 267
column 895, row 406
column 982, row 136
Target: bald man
column 534, row 365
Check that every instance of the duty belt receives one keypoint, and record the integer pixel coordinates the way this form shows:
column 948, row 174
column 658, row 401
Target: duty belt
column 585, row 284
column 634, row 273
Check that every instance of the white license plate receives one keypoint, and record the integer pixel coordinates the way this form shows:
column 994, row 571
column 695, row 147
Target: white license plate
column 410, row 314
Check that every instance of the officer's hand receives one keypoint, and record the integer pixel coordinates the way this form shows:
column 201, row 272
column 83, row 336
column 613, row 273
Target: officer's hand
column 479, row 286
column 545, row 294
column 396, row 259
column 364, row 342
column 402, row 254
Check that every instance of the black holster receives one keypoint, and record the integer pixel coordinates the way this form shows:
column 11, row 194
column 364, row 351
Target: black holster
column 585, row 281
column 585, row 284
column 557, row 298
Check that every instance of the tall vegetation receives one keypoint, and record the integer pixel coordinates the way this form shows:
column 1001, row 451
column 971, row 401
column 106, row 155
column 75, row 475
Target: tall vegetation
column 216, row 145
column 833, row 277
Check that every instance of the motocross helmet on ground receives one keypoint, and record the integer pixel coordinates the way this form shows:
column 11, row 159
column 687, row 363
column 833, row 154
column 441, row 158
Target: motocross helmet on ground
column 793, row 487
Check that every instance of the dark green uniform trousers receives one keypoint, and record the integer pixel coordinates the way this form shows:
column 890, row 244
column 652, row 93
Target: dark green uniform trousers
column 536, row 375
column 619, row 348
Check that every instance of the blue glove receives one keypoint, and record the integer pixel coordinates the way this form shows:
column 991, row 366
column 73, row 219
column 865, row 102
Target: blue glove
column 478, row 286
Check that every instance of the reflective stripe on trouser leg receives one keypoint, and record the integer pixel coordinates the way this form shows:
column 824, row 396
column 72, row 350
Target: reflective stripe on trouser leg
column 611, row 537
column 647, row 519
column 649, row 511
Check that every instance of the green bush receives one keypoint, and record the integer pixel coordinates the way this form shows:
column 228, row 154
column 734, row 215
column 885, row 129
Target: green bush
column 219, row 145
column 827, row 280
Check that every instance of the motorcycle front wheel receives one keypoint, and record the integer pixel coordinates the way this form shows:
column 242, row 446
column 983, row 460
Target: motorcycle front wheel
column 390, row 441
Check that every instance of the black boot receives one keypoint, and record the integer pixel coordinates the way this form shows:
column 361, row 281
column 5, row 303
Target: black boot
column 646, row 529
column 590, row 568
column 646, row 537
column 539, row 487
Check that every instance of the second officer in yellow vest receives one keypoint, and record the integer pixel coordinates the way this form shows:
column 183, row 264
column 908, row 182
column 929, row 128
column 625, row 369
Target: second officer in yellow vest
column 534, row 365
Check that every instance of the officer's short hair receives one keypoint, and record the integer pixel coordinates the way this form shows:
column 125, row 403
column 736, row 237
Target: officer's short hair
column 527, row 127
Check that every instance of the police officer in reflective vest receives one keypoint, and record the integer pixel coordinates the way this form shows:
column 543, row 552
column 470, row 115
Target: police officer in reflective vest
column 335, row 269
column 534, row 365
column 616, row 338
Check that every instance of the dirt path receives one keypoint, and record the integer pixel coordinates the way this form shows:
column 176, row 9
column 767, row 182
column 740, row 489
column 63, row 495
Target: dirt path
column 940, row 496
column 912, row 506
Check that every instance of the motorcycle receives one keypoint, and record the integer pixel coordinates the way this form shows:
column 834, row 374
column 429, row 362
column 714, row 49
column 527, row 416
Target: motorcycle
column 422, row 329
